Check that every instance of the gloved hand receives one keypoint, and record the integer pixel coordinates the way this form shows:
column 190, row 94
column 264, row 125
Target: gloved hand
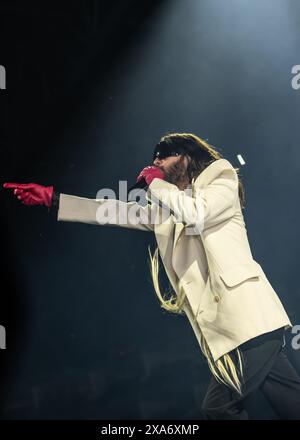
column 32, row 193
column 149, row 173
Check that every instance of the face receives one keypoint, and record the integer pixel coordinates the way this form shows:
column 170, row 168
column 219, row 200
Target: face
column 174, row 168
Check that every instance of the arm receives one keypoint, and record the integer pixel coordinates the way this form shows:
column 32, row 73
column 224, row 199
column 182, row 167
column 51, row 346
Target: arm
column 80, row 209
column 207, row 206
column 105, row 212
column 113, row 212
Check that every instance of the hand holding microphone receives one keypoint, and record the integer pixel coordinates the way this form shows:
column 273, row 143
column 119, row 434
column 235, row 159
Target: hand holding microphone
column 146, row 176
column 149, row 173
column 32, row 193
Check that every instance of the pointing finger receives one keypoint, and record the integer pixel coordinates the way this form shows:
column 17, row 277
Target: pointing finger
column 16, row 185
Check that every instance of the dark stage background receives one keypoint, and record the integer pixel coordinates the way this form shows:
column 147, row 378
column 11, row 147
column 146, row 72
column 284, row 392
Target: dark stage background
column 90, row 88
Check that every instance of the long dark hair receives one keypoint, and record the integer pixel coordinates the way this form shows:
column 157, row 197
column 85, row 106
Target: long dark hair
column 200, row 154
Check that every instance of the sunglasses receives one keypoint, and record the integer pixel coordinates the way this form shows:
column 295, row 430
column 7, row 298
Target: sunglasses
column 164, row 155
column 162, row 151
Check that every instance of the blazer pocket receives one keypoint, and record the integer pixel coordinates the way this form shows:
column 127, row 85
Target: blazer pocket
column 240, row 273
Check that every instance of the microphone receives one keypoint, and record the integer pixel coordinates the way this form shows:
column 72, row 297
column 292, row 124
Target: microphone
column 141, row 184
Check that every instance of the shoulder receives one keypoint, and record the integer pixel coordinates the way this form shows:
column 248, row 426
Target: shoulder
column 220, row 164
column 219, row 168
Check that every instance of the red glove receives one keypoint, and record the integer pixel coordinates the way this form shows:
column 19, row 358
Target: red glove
column 149, row 173
column 32, row 193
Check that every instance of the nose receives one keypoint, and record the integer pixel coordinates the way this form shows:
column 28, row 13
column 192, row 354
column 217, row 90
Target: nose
column 157, row 161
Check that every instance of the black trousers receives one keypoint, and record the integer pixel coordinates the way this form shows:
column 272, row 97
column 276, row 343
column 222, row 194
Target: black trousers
column 266, row 368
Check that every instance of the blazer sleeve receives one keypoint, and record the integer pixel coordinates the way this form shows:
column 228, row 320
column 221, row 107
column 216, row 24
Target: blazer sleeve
column 105, row 212
column 203, row 207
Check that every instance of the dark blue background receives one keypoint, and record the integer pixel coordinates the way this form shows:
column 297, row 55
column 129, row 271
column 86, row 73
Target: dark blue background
column 91, row 87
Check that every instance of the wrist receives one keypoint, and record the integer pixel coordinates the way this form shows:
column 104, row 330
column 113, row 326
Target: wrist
column 49, row 190
column 55, row 199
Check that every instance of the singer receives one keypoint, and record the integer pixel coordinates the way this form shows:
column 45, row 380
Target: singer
column 237, row 317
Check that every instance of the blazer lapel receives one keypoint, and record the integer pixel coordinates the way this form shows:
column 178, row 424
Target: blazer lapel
column 202, row 180
column 164, row 238
column 179, row 227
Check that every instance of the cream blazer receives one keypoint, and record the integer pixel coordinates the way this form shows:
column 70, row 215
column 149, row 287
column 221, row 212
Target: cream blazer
column 228, row 295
